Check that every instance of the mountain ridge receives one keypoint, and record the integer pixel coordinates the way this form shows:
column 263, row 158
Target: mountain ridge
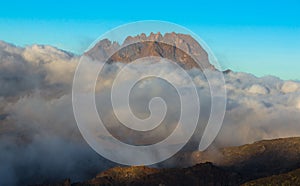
column 246, row 169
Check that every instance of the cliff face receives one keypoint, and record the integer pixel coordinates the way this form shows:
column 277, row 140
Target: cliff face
column 180, row 48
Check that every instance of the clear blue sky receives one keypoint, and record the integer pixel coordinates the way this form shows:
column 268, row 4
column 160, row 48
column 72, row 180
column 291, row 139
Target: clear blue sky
column 260, row 37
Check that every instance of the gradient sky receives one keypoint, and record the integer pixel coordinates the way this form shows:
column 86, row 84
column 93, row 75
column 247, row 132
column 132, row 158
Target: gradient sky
column 259, row 37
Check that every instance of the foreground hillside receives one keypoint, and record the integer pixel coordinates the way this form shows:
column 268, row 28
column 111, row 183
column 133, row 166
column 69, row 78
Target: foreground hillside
column 267, row 162
column 290, row 178
column 260, row 159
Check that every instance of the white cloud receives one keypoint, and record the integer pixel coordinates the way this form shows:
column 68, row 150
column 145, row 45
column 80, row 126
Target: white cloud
column 258, row 89
column 35, row 96
column 289, row 87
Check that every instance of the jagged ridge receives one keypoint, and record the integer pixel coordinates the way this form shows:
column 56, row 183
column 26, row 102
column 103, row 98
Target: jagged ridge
column 180, row 48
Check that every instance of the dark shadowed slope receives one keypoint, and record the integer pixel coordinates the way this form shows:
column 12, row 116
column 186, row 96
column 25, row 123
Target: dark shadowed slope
column 290, row 178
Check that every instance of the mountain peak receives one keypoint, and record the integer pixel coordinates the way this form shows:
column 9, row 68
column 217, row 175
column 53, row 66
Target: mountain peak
column 180, row 48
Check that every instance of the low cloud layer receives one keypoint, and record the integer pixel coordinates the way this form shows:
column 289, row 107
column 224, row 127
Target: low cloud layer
column 39, row 138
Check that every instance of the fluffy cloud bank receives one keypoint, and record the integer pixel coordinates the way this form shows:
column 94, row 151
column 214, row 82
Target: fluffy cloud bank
column 40, row 140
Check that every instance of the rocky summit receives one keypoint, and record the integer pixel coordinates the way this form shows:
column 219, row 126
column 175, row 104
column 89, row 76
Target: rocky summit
column 180, row 48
